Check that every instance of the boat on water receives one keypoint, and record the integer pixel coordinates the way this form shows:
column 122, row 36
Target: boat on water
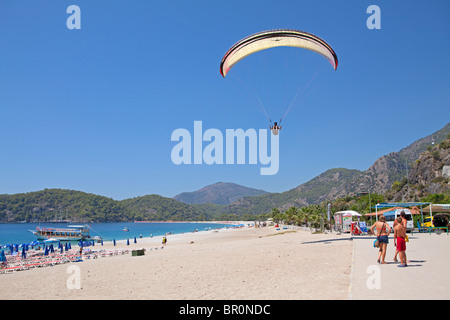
column 125, row 229
column 71, row 233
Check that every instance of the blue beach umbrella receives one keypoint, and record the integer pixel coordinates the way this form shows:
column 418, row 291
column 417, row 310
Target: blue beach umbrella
column 102, row 241
column 2, row 256
column 52, row 250
column 114, row 241
column 46, row 251
column 135, row 240
column 66, row 246
column 24, row 253
column 128, row 241
column 34, row 243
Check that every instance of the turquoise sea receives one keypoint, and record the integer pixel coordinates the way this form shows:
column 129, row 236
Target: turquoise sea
column 18, row 233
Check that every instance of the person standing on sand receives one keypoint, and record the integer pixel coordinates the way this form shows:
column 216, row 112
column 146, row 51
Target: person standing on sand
column 399, row 241
column 383, row 231
column 396, row 222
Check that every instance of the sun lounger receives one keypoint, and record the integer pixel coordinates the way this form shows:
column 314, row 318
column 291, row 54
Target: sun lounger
column 363, row 227
column 37, row 265
column 12, row 269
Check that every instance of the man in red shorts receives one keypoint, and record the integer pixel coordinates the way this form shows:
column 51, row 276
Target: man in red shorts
column 399, row 241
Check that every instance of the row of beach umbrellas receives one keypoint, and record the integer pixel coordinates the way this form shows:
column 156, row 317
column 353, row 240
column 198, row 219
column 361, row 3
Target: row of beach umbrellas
column 48, row 248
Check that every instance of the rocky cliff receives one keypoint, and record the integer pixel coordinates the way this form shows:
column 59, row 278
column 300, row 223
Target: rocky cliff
column 430, row 173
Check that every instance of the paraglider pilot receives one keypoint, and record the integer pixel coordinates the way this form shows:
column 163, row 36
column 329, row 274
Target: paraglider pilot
column 275, row 128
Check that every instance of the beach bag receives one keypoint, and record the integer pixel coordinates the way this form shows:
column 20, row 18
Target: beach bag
column 376, row 243
column 406, row 238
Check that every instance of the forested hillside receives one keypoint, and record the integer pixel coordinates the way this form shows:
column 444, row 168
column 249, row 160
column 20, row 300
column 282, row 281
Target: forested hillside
column 52, row 204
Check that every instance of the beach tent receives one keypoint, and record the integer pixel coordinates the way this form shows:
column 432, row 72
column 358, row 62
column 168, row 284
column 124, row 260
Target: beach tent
column 438, row 208
column 345, row 224
column 403, row 205
column 348, row 213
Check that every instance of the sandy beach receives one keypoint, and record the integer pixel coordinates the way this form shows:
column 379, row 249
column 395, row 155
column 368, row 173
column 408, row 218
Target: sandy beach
column 243, row 264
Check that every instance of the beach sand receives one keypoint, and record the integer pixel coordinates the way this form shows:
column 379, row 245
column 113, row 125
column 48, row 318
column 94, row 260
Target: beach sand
column 243, row 264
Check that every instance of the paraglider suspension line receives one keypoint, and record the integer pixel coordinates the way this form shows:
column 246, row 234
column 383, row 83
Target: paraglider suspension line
column 298, row 94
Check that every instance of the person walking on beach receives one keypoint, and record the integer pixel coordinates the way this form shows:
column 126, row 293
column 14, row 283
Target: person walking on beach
column 399, row 241
column 396, row 222
column 383, row 231
column 164, row 240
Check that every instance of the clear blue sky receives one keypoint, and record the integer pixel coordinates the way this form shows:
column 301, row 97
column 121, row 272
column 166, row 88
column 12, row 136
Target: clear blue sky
column 94, row 109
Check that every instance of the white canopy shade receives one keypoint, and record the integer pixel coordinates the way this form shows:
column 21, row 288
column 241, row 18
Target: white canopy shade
column 348, row 213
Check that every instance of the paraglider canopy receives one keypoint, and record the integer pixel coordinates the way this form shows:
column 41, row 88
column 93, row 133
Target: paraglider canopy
column 276, row 38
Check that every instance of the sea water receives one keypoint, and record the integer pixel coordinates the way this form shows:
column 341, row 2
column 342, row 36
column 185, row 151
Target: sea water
column 18, row 233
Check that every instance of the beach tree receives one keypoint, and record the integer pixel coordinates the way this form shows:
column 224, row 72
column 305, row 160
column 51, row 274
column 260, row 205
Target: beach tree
column 275, row 214
column 314, row 220
column 290, row 215
column 303, row 215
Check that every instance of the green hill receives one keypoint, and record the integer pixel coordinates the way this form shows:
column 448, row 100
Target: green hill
column 52, row 204
column 155, row 207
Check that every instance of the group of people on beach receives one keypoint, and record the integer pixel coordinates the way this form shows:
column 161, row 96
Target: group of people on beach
column 400, row 238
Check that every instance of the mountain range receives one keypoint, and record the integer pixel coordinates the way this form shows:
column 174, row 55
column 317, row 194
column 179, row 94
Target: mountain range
column 339, row 182
column 420, row 169
column 378, row 178
column 218, row 193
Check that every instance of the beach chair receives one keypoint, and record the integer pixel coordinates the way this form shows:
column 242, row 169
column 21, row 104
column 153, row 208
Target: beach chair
column 355, row 230
column 363, row 227
column 14, row 268
column 421, row 229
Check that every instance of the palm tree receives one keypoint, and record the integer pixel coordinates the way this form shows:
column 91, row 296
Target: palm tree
column 290, row 214
column 303, row 215
column 275, row 215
